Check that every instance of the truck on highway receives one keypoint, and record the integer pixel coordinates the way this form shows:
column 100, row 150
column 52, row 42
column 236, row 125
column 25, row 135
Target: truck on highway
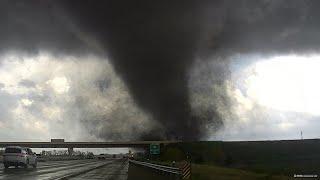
column 19, row 156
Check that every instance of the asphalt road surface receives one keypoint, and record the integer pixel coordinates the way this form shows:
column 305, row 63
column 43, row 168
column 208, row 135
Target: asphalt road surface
column 111, row 169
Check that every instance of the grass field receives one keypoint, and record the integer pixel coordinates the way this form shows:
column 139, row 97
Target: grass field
column 207, row 172
column 142, row 173
column 273, row 160
column 263, row 157
column 203, row 172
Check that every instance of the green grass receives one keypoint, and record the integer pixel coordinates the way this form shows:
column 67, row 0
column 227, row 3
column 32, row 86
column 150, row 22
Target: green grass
column 143, row 173
column 246, row 160
column 268, row 157
column 204, row 172
column 208, row 172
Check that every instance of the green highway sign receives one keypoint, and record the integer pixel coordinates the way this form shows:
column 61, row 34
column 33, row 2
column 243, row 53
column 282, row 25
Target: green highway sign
column 154, row 148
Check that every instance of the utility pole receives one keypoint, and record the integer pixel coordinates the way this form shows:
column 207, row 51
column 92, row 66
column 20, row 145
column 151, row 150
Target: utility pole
column 301, row 135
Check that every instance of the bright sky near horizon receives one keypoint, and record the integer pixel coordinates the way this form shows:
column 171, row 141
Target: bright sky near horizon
column 277, row 98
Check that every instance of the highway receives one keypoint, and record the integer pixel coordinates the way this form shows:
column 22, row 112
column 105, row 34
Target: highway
column 74, row 169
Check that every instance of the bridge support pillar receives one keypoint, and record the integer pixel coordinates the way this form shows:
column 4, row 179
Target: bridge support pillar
column 70, row 151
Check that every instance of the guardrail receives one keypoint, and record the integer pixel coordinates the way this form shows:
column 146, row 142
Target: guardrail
column 166, row 169
column 183, row 172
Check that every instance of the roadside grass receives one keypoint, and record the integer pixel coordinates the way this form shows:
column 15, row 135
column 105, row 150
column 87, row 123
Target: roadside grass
column 287, row 157
column 204, row 172
column 209, row 172
column 142, row 173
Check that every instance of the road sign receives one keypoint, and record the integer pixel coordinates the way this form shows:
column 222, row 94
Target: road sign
column 154, row 148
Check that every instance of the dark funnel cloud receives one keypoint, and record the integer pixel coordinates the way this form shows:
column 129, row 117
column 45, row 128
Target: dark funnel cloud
column 151, row 45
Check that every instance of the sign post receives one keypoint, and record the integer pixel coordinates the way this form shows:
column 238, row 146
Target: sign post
column 154, row 149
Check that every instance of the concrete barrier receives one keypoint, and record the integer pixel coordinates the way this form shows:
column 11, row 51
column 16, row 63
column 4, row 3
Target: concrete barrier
column 53, row 158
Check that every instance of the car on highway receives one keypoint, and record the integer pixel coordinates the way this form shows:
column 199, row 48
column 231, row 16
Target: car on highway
column 101, row 156
column 19, row 156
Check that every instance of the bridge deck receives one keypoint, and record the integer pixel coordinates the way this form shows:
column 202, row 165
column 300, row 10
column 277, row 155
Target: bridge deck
column 140, row 144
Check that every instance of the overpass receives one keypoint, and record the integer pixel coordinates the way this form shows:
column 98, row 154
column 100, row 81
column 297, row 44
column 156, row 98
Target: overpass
column 71, row 145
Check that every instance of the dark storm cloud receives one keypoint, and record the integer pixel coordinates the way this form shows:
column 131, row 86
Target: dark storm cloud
column 34, row 25
column 152, row 44
column 270, row 27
